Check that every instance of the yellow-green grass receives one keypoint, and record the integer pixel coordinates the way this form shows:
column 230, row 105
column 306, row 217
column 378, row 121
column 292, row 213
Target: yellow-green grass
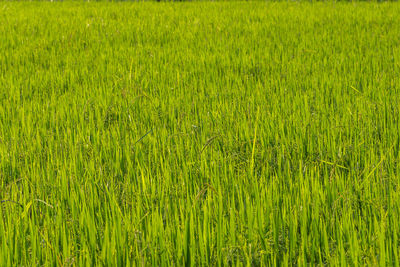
column 198, row 134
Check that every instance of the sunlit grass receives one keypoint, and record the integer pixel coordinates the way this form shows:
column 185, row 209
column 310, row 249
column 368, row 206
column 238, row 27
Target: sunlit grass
column 164, row 134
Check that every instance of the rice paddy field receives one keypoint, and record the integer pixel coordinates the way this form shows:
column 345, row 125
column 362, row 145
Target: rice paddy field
column 199, row 134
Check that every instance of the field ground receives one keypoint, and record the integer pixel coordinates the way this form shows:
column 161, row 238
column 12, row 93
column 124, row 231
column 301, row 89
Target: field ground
column 233, row 133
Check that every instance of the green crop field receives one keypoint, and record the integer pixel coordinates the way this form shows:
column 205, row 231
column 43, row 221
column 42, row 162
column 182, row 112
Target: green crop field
column 199, row 134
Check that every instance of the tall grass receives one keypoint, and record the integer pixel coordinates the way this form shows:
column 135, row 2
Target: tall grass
column 199, row 134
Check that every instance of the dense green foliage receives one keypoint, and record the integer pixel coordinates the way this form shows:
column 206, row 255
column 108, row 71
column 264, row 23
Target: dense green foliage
column 199, row 134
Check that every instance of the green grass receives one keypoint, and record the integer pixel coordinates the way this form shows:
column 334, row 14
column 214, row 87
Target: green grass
column 198, row 134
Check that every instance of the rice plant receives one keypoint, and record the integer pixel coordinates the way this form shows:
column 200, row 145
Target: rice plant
column 199, row 134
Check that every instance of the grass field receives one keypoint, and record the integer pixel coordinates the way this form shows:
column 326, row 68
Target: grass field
column 198, row 134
